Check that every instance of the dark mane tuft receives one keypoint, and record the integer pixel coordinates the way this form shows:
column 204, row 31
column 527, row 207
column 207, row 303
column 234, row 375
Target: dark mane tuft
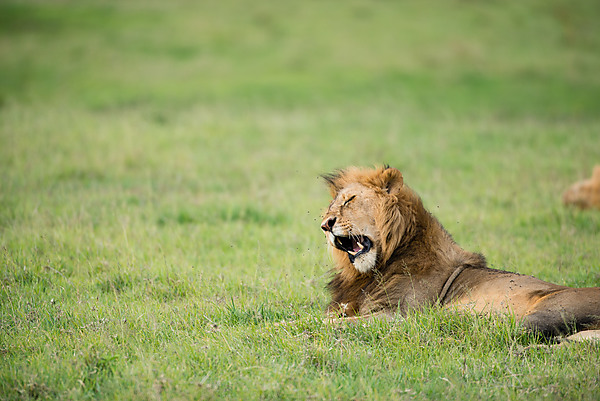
column 331, row 178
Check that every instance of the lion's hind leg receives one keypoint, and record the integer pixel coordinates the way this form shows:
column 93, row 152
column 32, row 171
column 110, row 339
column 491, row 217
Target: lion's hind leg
column 565, row 311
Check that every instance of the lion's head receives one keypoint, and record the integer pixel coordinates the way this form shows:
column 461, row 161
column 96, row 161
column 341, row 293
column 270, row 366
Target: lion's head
column 369, row 216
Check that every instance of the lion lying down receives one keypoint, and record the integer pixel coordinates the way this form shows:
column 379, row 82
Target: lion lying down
column 585, row 194
column 393, row 255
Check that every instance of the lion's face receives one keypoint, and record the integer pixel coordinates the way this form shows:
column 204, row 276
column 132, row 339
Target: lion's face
column 365, row 219
column 350, row 226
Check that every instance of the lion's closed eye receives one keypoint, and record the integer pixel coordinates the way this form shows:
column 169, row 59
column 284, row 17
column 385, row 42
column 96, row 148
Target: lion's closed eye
column 349, row 199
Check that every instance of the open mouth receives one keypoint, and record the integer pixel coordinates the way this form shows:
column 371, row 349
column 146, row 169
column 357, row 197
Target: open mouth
column 353, row 245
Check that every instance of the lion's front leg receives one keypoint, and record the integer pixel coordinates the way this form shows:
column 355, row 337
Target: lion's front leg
column 336, row 319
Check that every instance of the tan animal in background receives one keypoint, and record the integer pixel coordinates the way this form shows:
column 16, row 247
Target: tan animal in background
column 393, row 255
column 585, row 194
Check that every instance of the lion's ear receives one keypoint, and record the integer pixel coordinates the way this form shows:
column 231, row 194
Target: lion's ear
column 391, row 180
column 333, row 182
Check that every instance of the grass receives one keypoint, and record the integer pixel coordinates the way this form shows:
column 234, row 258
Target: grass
column 160, row 199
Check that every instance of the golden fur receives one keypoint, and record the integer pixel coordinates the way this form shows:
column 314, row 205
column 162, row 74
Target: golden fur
column 585, row 194
column 393, row 255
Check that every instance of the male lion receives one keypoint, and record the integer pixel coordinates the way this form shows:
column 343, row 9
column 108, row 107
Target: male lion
column 393, row 255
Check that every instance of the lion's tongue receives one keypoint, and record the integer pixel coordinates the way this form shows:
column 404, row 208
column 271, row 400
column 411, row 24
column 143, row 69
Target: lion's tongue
column 356, row 246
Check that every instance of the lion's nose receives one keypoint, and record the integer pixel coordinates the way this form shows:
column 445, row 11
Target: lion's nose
column 328, row 223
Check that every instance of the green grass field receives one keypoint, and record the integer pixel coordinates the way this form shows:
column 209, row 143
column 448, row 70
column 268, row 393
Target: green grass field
column 160, row 200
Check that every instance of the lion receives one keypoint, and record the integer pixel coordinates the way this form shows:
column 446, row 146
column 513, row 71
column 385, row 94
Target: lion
column 585, row 194
column 394, row 256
